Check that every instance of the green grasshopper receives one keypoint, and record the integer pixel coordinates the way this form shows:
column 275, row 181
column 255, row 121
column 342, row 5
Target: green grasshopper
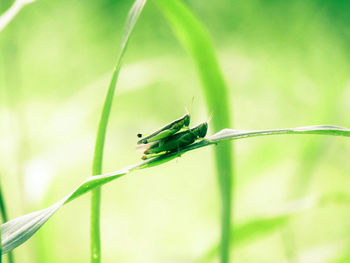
column 175, row 142
column 166, row 130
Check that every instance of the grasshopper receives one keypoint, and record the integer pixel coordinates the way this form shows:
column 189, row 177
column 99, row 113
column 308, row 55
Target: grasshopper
column 175, row 142
column 166, row 130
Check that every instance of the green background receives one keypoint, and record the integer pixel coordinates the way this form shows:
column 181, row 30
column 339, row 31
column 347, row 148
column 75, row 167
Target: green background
column 286, row 64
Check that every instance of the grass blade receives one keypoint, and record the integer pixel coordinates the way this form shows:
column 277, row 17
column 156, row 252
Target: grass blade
column 0, row 247
column 229, row 134
column 196, row 40
column 2, row 206
column 10, row 14
column 133, row 16
column 263, row 226
column 4, row 218
column 18, row 230
column 250, row 230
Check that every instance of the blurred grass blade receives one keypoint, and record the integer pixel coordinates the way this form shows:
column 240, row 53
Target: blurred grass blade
column 261, row 227
column 342, row 258
column 251, row 230
column 0, row 246
column 196, row 40
column 2, row 206
column 4, row 218
column 10, row 14
column 132, row 18
column 18, row 230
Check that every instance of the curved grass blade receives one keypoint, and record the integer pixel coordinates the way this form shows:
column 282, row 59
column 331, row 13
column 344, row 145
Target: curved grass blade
column 18, row 230
column 229, row 134
column 193, row 36
column 132, row 18
column 10, row 14
column 4, row 218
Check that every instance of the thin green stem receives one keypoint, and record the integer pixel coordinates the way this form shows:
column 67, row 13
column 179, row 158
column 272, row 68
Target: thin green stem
column 223, row 156
column 97, row 169
column 133, row 16
column 95, row 225
column 196, row 40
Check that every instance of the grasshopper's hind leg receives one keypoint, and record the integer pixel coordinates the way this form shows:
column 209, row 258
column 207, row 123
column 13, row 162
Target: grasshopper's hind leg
column 152, row 155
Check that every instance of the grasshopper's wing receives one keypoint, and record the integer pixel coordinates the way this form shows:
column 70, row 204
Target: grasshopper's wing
column 156, row 136
column 167, row 130
column 162, row 135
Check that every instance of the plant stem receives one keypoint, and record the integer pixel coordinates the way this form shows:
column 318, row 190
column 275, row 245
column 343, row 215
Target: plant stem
column 223, row 156
column 95, row 225
column 194, row 37
column 95, row 255
column 132, row 18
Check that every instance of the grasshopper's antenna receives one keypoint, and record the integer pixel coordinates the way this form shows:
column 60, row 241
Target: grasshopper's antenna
column 191, row 103
column 189, row 111
column 210, row 116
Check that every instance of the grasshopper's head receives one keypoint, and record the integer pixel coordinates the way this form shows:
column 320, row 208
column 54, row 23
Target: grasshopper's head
column 200, row 130
column 186, row 120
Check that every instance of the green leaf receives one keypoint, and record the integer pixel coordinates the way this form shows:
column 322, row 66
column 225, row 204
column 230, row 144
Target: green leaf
column 230, row 134
column 196, row 40
column 16, row 231
column 10, row 14
column 132, row 18
column 3, row 212
column 252, row 229
column 343, row 258
column 262, row 226
column 4, row 218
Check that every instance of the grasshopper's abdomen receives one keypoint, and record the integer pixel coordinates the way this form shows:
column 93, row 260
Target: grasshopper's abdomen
column 172, row 144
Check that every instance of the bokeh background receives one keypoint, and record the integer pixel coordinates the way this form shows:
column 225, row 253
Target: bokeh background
column 286, row 64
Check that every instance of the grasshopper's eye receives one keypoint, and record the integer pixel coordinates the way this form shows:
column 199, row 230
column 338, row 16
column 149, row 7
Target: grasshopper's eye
column 139, row 135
